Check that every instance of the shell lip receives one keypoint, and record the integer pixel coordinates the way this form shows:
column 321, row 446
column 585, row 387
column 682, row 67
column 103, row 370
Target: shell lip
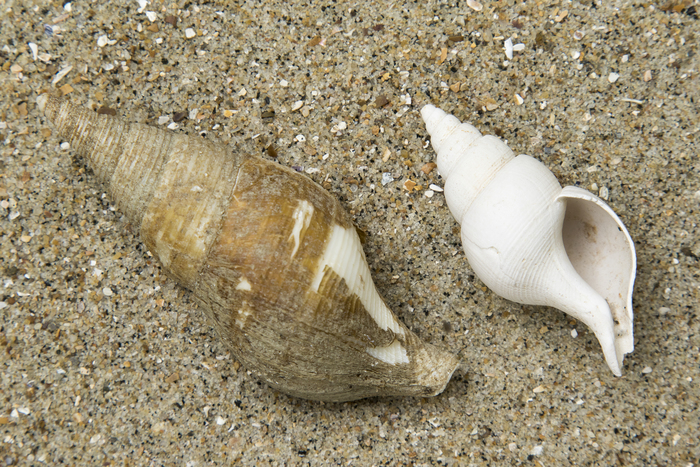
column 602, row 252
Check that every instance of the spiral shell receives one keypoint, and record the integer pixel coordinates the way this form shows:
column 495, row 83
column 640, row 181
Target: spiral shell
column 533, row 242
column 272, row 259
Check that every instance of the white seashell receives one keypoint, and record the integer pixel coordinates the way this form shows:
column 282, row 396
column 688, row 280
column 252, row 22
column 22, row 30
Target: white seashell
column 533, row 242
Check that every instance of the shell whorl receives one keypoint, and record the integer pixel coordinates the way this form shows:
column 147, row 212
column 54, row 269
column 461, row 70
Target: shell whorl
column 173, row 188
column 468, row 160
column 272, row 258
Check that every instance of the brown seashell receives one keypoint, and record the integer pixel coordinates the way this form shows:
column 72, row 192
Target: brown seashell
column 271, row 257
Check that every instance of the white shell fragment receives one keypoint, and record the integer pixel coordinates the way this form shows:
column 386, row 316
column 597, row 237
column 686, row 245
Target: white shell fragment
column 533, row 242
column 508, row 46
column 35, row 50
column 61, row 74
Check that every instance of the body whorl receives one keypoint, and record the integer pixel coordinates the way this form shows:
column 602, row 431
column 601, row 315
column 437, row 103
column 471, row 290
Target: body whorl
column 272, row 258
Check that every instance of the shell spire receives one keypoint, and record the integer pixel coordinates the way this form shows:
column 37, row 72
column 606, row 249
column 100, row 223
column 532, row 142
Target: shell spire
column 533, row 242
column 272, row 259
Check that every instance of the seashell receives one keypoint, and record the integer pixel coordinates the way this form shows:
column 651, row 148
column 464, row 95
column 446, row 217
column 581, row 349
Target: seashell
column 271, row 257
column 533, row 242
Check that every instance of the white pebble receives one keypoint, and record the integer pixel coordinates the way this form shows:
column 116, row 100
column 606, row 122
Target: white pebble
column 162, row 120
column 107, row 292
column 603, row 193
column 574, row 333
column 537, row 450
column 173, row 126
column 612, row 77
column 284, row 83
column 647, row 370
column 436, row 188
column 297, row 105
column 102, row 40
column 387, row 178
column 65, row 145
column 151, row 15
column 189, row 33
column 518, row 99
column 300, row 138
column 429, row 193
column 68, row 7
column 519, row 47
column 220, row 421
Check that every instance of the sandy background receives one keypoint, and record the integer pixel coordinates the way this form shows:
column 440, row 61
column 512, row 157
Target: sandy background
column 105, row 361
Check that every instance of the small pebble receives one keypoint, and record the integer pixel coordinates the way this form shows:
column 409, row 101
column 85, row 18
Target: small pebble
column 647, row 370
column 107, row 292
column 429, row 193
column 387, row 178
column 436, row 188
column 386, row 154
column 474, row 5
column 612, row 77
column 284, row 83
column 189, row 33
column 574, row 333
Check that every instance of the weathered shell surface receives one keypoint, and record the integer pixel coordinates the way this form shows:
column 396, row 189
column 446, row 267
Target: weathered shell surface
column 271, row 257
column 533, row 242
